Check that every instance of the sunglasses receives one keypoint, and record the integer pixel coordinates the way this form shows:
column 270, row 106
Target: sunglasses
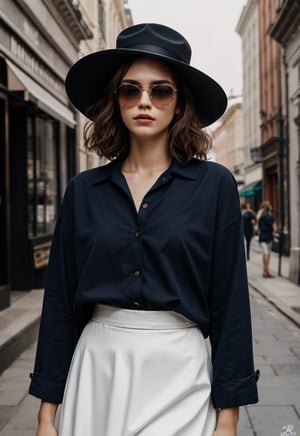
column 129, row 95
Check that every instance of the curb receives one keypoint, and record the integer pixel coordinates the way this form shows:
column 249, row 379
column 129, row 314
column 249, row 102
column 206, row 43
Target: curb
column 19, row 327
column 11, row 348
column 276, row 302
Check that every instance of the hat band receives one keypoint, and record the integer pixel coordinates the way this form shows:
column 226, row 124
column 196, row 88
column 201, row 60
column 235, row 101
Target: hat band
column 153, row 49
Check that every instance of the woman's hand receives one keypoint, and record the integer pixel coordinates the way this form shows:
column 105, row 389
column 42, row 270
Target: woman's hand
column 227, row 422
column 225, row 431
column 46, row 429
column 46, row 420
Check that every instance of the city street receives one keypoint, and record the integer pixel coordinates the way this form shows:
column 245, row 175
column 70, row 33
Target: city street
column 107, row 105
column 277, row 355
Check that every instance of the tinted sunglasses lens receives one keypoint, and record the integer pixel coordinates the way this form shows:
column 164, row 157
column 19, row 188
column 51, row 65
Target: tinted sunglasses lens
column 162, row 95
column 162, row 92
column 128, row 95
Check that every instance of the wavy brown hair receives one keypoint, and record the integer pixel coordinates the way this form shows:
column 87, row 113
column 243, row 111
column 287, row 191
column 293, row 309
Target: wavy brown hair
column 108, row 136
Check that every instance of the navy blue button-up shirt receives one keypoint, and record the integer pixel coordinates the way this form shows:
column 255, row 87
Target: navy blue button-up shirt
column 183, row 251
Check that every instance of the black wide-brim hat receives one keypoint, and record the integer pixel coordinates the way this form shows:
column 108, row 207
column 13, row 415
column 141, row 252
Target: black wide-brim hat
column 89, row 76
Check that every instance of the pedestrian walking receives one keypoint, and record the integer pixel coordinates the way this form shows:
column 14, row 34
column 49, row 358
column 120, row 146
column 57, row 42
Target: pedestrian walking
column 249, row 221
column 266, row 229
column 147, row 258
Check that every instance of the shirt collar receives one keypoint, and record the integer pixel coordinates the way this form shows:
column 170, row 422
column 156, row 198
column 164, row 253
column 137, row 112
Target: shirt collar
column 105, row 172
column 185, row 170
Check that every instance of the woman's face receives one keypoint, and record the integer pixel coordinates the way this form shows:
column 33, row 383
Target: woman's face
column 143, row 115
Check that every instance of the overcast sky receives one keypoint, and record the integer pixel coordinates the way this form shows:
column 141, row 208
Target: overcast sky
column 209, row 26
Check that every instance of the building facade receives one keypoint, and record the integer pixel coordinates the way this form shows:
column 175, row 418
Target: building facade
column 248, row 30
column 39, row 130
column 273, row 121
column 228, row 141
column 273, row 113
column 107, row 19
column 286, row 31
column 262, row 65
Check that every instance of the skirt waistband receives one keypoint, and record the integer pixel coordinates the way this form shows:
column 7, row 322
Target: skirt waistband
column 140, row 319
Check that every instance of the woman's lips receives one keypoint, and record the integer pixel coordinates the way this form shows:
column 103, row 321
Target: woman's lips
column 143, row 119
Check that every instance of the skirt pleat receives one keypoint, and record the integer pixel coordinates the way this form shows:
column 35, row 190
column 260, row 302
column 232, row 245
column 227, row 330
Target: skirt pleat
column 138, row 373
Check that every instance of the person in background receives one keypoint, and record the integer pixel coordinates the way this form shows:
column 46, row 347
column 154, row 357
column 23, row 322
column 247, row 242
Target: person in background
column 266, row 229
column 147, row 258
column 249, row 220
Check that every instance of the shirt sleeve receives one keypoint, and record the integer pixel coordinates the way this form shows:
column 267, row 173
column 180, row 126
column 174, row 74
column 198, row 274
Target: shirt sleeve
column 234, row 378
column 56, row 341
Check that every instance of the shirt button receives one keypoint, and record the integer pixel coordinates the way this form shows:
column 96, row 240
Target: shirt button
column 137, row 234
column 136, row 303
column 137, row 273
column 145, row 205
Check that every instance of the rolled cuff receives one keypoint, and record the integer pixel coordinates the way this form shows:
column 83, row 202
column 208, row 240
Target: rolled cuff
column 235, row 393
column 48, row 390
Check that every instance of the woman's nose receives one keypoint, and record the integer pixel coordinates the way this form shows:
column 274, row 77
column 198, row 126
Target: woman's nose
column 145, row 99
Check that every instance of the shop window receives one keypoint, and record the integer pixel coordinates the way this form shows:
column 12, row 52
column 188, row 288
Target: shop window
column 67, row 159
column 42, row 174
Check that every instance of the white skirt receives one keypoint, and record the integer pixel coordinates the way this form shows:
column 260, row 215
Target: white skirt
column 138, row 373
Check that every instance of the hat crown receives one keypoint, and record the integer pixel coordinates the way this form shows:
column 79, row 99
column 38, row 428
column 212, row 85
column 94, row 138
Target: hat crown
column 156, row 39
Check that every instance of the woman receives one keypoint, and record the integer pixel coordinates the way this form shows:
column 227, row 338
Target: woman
column 266, row 229
column 249, row 221
column 147, row 259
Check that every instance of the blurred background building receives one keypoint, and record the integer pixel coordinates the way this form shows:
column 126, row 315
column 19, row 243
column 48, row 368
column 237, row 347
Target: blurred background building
column 270, row 39
column 286, row 31
column 248, row 29
column 229, row 139
column 40, row 146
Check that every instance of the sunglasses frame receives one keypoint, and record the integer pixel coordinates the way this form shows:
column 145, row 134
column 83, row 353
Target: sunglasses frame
column 149, row 90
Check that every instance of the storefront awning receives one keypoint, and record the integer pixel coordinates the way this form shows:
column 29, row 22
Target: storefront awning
column 251, row 189
column 18, row 80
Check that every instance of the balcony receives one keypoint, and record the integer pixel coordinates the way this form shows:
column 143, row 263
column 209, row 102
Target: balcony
column 73, row 14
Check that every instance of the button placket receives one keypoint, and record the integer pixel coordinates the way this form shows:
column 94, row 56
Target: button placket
column 137, row 272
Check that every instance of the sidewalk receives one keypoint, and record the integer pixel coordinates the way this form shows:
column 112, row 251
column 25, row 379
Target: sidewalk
column 19, row 325
column 276, row 338
column 279, row 291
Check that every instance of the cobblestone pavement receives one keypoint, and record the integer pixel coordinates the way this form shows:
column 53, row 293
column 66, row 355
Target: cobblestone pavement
column 277, row 355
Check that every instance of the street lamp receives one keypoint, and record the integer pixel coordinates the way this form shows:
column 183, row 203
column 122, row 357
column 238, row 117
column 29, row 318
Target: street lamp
column 256, row 155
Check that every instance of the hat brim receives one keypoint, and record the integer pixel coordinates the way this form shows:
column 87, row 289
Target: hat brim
column 89, row 76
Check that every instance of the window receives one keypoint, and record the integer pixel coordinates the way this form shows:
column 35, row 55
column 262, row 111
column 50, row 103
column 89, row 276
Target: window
column 101, row 21
column 42, row 175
